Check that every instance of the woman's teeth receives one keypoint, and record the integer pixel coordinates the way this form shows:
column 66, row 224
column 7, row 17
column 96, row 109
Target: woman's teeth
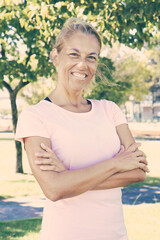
column 79, row 75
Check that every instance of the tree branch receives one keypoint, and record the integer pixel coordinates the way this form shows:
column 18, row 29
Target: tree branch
column 3, row 53
column 29, row 55
column 6, row 85
column 20, row 85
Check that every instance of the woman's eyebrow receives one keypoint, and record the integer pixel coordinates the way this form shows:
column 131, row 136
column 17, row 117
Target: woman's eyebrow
column 92, row 53
column 75, row 49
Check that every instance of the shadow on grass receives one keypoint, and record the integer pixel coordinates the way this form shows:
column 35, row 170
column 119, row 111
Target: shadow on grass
column 19, row 228
column 142, row 192
column 11, row 210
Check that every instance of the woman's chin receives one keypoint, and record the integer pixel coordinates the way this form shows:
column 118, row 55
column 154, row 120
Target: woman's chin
column 77, row 86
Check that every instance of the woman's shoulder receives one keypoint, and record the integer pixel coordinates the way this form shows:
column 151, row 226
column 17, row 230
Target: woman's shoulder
column 31, row 122
column 33, row 108
column 32, row 111
column 103, row 102
column 110, row 107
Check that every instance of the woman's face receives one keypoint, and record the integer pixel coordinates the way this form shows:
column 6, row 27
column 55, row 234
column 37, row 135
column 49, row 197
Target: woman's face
column 77, row 61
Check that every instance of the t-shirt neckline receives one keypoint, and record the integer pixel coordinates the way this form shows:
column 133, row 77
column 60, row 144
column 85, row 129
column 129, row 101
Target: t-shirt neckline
column 70, row 112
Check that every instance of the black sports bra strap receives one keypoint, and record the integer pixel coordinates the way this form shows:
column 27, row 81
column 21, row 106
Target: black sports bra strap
column 49, row 100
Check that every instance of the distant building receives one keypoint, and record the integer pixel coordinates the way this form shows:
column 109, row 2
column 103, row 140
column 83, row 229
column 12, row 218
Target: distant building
column 144, row 111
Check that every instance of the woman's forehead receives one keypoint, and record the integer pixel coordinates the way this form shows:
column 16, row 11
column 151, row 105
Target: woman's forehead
column 81, row 41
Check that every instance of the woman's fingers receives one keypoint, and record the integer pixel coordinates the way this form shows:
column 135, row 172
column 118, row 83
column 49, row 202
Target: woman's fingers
column 52, row 160
column 44, row 147
column 48, row 161
column 143, row 167
column 42, row 161
column 140, row 153
column 50, row 165
column 44, row 154
column 133, row 147
column 122, row 149
column 51, row 168
column 131, row 158
column 143, row 160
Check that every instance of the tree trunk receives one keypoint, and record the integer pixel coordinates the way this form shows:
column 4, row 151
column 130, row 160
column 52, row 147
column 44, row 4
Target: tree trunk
column 13, row 95
column 19, row 167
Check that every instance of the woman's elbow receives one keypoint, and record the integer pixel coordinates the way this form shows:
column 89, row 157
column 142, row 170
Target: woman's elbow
column 59, row 195
column 56, row 194
column 52, row 196
column 141, row 175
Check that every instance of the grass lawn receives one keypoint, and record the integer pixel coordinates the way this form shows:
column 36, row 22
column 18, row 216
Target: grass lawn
column 17, row 185
column 27, row 186
column 142, row 221
column 14, row 185
column 20, row 229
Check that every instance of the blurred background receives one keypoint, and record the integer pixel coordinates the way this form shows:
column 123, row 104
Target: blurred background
column 128, row 74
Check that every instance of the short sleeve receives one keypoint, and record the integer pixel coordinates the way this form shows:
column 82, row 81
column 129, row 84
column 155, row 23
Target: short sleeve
column 117, row 115
column 114, row 112
column 29, row 125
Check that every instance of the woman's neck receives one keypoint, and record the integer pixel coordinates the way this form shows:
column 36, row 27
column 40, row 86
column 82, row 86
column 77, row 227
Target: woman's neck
column 62, row 97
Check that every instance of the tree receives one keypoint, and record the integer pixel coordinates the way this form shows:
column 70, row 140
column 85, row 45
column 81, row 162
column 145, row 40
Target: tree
column 24, row 56
column 30, row 93
column 129, row 78
column 28, row 28
column 130, row 22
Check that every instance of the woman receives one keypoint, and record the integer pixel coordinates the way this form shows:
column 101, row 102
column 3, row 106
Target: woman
column 81, row 176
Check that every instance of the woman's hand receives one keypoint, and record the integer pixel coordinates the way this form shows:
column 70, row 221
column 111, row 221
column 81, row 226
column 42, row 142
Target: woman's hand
column 131, row 158
column 48, row 161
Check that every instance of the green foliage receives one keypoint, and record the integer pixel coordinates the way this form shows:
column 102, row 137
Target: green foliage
column 150, row 181
column 28, row 29
column 129, row 22
column 153, row 56
column 134, row 72
column 24, row 51
column 128, row 79
column 36, row 91
column 19, row 228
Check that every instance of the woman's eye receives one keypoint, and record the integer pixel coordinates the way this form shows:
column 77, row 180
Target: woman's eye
column 73, row 54
column 92, row 58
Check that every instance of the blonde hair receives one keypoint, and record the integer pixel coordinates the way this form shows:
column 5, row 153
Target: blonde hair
column 71, row 26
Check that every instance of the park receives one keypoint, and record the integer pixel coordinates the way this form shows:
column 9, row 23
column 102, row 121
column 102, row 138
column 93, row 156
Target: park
column 128, row 74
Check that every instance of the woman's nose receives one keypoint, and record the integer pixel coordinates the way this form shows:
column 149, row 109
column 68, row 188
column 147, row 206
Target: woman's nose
column 82, row 64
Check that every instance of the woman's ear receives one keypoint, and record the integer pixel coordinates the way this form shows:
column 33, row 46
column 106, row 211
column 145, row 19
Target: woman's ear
column 54, row 56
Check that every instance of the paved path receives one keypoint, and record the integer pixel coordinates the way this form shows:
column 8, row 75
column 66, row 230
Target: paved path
column 32, row 206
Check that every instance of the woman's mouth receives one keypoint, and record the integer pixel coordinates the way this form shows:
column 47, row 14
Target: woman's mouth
column 81, row 76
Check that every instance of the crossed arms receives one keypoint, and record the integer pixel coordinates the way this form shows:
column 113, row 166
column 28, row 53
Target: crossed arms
column 57, row 182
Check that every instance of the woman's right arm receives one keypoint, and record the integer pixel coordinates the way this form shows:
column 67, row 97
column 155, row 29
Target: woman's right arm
column 69, row 183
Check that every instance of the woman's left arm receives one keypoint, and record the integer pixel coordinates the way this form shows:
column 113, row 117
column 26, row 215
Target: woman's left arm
column 116, row 180
column 125, row 178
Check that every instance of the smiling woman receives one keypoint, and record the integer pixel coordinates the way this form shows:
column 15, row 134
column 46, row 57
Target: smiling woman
column 76, row 63
column 75, row 56
column 73, row 146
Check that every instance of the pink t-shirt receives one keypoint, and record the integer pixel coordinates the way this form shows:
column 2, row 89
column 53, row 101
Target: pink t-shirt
column 79, row 140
